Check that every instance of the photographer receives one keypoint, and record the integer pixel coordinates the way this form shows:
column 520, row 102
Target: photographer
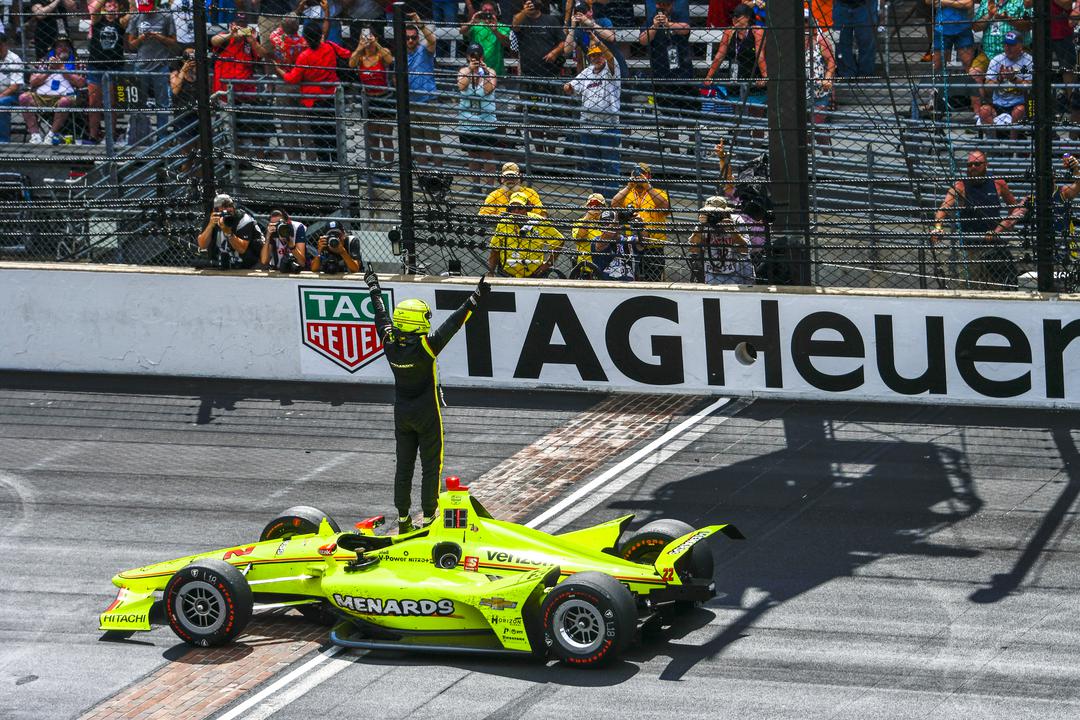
column 285, row 247
column 616, row 252
column 524, row 242
column 719, row 253
column 231, row 237
column 337, row 252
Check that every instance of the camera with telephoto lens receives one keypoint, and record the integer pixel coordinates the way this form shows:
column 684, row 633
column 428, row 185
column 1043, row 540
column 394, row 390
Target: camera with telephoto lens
column 285, row 231
column 716, row 217
column 333, row 241
column 289, row 264
column 230, row 218
column 625, row 214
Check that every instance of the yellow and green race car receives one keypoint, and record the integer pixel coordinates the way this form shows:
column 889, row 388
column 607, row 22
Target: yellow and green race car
column 467, row 583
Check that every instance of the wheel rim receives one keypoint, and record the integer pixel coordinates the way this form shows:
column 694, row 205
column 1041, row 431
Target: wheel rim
column 200, row 607
column 579, row 626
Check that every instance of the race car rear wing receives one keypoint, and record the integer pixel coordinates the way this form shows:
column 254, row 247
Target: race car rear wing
column 668, row 562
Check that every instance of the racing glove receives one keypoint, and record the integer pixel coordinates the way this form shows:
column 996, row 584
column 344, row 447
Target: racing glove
column 481, row 291
column 372, row 280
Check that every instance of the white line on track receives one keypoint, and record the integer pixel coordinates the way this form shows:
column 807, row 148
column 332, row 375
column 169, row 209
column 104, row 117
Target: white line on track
column 279, row 694
column 617, row 477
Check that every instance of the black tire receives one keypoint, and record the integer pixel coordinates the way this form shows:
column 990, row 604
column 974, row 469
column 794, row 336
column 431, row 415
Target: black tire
column 588, row 619
column 644, row 546
column 297, row 520
column 208, row 603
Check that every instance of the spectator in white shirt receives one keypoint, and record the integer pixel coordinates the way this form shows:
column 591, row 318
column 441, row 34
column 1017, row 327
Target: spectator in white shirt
column 1009, row 74
column 52, row 86
column 11, row 79
column 599, row 86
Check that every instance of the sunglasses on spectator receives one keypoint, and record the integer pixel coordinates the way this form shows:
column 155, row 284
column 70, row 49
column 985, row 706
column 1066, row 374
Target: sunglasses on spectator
column 976, row 163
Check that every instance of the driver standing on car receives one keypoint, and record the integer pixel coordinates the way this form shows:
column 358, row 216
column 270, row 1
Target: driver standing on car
column 411, row 347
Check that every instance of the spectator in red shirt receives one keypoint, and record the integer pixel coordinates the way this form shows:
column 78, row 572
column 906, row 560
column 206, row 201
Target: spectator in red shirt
column 285, row 46
column 238, row 51
column 316, row 74
column 372, row 61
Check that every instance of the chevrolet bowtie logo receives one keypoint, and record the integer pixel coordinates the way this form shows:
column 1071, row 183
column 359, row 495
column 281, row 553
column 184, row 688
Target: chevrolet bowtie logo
column 498, row 603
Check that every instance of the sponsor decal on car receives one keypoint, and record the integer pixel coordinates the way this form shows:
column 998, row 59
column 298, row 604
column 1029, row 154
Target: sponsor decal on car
column 688, row 543
column 238, row 552
column 472, row 563
column 498, row 603
column 281, row 548
column 506, row 620
column 123, row 619
column 339, row 324
column 391, row 607
column 507, row 558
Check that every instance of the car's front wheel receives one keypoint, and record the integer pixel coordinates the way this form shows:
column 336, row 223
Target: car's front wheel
column 588, row 619
column 208, row 603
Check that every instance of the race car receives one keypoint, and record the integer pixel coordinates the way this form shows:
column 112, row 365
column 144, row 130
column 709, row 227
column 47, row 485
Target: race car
column 467, row 583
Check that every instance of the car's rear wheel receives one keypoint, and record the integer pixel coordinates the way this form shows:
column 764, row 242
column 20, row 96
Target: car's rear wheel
column 208, row 603
column 644, row 546
column 297, row 520
column 588, row 619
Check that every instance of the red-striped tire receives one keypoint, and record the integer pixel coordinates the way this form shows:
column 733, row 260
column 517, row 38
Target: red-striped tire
column 297, row 520
column 208, row 603
column 588, row 619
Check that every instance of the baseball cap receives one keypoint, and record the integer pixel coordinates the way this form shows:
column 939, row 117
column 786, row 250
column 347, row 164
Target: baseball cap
column 510, row 168
column 1012, row 38
column 335, row 226
column 519, row 198
column 596, row 197
column 608, row 216
column 594, row 48
column 641, row 169
column 222, row 200
column 716, row 203
column 474, row 50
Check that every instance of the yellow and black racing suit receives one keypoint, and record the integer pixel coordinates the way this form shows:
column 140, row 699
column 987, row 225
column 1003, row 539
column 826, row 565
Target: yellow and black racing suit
column 417, row 399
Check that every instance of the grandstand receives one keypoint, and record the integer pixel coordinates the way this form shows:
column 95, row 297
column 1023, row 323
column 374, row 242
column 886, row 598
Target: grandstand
column 879, row 162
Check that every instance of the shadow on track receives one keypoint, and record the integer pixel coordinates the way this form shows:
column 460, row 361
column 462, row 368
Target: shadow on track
column 1003, row 584
column 814, row 507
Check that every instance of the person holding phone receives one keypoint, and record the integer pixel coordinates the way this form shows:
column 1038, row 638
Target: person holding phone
column 373, row 62
column 485, row 30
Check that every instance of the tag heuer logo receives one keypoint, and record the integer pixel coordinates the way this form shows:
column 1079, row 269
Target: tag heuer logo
column 339, row 324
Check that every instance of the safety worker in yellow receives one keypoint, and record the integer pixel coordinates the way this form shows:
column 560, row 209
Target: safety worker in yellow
column 411, row 347
column 524, row 242
column 510, row 182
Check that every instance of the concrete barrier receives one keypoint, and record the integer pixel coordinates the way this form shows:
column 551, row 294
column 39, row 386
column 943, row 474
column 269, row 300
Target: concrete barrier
column 1016, row 349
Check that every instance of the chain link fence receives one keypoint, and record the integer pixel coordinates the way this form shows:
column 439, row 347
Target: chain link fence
column 656, row 107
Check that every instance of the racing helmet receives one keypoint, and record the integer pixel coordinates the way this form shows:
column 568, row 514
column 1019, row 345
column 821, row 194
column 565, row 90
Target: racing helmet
column 412, row 316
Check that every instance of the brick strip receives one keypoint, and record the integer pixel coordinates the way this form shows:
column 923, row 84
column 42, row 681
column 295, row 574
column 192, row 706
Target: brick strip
column 537, row 474
column 206, row 680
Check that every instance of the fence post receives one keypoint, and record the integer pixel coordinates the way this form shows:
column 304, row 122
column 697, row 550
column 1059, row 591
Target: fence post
column 1042, row 96
column 342, row 149
column 698, row 171
column 401, row 80
column 202, row 105
column 871, row 157
column 526, row 136
column 786, row 114
column 110, row 141
column 365, row 115
column 234, row 164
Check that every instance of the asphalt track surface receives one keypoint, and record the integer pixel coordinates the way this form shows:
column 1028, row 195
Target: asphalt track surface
column 901, row 561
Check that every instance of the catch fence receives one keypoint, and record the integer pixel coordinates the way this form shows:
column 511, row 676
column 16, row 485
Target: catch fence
column 882, row 147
